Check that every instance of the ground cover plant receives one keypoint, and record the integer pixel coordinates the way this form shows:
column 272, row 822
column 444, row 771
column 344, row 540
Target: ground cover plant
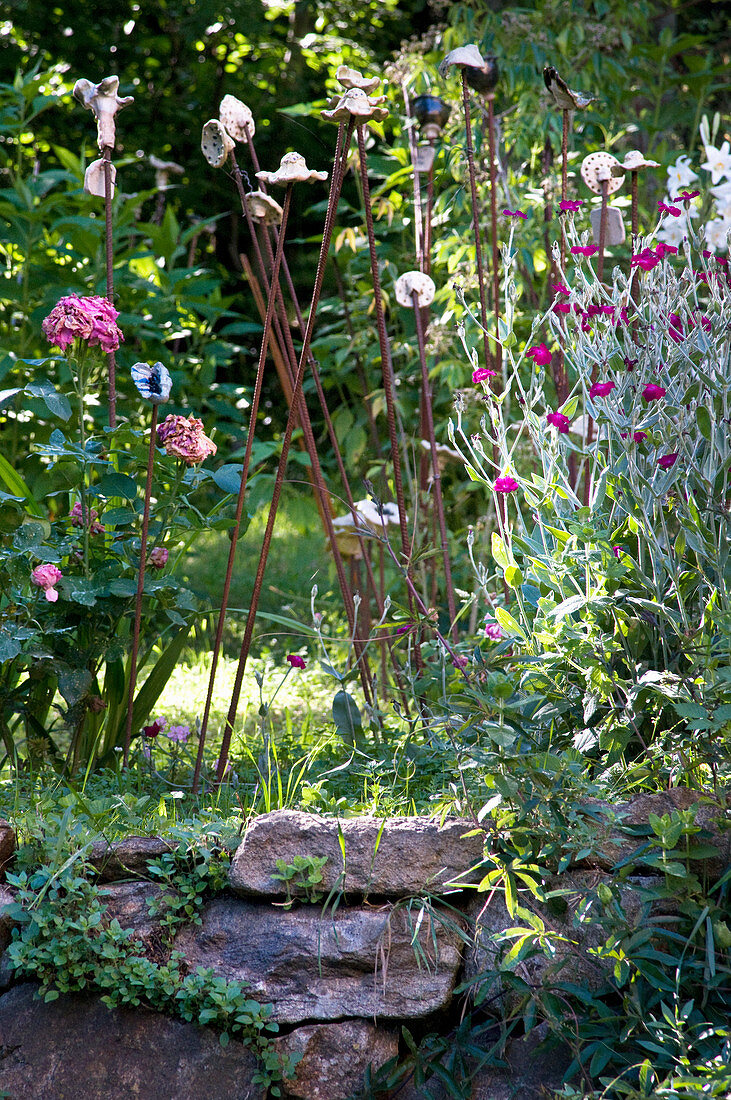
column 508, row 429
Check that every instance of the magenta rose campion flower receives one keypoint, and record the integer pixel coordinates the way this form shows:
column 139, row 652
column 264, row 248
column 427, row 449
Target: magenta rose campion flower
column 296, row 661
column 184, row 438
column 584, row 249
column 559, row 421
column 47, row 577
column 505, row 485
column 653, row 392
column 666, row 461
column 483, row 374
column 155, row 727
column 540, row 355
column 570, row 205
column 601, row 389
column 494, row 630
column 515, row 214
column 92, row 319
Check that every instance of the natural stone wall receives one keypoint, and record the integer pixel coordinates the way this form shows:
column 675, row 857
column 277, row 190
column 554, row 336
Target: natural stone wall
column 342, row 976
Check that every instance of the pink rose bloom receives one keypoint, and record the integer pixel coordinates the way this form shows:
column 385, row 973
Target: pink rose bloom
column 95, row 527
column 92, row 319
column 184, row 437
column 493, row 630
column 483, row 374
column 559, row 421
column 296, row 661
column 601, row 389
column 540, row 355
column 505, row 485
column 158, row 558
column 652, row 392
column 47, row 577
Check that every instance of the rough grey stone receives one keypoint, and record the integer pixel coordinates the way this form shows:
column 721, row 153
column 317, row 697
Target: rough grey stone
column 413, row 856
column 615, row 843
column 126, row 858
column 77, row 1047
column 569, row 941
column 314, row 966
column 335, row 1057
column 7, row 924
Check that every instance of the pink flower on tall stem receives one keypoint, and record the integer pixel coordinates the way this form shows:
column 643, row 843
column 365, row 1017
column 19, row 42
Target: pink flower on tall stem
column 639, row 437
column 47, row 577
column 666, row 461
column 540, row 355
column 584, row 249
column 155, row 728
column 184, row 438
column 296, row 661
column 601, row 389
column 570, row 205
column 515, row 214
column 483, row 374
column 653, row 392
column 179, row 734
column 559, row 421
column 675, row 332
column 92, row 319
column 505, row 485
column 674, row 211
column 494, row 630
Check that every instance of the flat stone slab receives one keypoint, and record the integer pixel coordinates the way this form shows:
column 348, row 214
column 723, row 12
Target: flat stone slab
column 312, row 966
column 411, row 856
column 76, row 1047
column 334, row 1057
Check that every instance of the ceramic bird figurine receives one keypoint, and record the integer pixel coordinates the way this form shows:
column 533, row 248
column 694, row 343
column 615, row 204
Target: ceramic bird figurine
column 564, row 97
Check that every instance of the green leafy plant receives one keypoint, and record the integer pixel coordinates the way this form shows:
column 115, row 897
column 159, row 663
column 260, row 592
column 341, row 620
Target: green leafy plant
column 302, row 878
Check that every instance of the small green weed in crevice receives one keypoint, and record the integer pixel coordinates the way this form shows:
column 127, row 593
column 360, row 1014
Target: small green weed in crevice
column 302, row 879
column 66, row 942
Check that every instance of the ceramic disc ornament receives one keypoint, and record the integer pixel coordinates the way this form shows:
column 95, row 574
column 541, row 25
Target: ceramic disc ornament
column 414, row 281
column 598, row 167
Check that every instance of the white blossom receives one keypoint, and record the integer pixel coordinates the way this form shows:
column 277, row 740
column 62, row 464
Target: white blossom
column 680, row 174
column 718, row 161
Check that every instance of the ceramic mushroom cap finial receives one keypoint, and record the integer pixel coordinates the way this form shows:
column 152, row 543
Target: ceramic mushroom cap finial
column 564, row 97
column 104, row 101
column 292, row 169
column 414, row 282
column 236, row 117
column 357, row 103
column 481, row 73
column 351, row 78
column 633, row 161
column 163, row 170
column 216, row 143
column 264, row 209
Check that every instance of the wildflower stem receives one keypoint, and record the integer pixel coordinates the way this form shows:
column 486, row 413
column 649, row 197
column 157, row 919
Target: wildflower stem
column 493, row 225
column 140, row 586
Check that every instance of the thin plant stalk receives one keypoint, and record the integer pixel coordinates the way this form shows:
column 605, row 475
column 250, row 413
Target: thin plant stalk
column 334, row 195
column 634, row 182
column 475, row 217
column 493, row 226
column 241, row 495
column 140, row 586
column 603, row 229
column 109, row 248
column 436, row 475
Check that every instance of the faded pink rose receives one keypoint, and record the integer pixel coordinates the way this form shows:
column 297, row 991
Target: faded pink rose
column 47, row 577
column 92, row 319
column 184, row 438
column 494, row 630
column 158, row 558
column 77, row 513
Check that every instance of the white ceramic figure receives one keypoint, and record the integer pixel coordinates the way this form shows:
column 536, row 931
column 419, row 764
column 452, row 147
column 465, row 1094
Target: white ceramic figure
column 104, row 101
column 292, row 169
column 357, row 103
column 412, row 281
column 236, row 117
column 264, row 209
column 351, row 78
column 216, row 143
column 164, row 169
column 94, row 183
